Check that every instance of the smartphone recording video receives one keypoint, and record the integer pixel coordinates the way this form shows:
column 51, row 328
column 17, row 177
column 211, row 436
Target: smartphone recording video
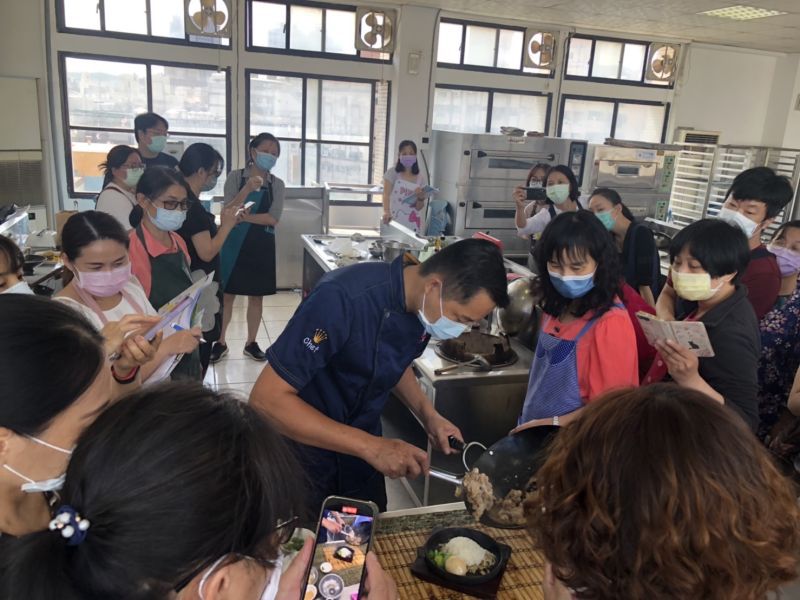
column 344, row 536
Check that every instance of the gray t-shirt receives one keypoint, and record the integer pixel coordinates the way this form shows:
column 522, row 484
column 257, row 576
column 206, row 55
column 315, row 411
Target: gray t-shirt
column 234, row 182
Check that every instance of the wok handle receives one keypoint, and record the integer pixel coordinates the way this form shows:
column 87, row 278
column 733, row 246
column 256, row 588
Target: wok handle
column 445, row 476
column 466, row 449
column 455, row 443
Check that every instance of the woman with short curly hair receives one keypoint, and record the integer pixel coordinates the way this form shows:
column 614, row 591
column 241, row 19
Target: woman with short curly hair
column 662, row 492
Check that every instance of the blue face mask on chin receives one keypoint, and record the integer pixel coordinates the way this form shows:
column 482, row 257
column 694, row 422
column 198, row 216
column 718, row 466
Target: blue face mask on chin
column 572, row 286
column 443, row 328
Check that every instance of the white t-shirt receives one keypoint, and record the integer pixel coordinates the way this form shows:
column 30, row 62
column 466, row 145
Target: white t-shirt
column 118, row 203
column 537, row 223
column 133, row 288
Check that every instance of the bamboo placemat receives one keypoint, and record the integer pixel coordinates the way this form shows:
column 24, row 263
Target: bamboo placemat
column 397, row 550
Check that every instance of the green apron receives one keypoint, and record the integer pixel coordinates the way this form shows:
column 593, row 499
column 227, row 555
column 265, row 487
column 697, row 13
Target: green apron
column 169, row 276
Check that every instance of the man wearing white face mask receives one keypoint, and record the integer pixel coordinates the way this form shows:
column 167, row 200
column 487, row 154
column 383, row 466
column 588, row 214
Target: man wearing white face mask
column 351, row 343
column 151, row 132
column 707, row 259
column 756, row 197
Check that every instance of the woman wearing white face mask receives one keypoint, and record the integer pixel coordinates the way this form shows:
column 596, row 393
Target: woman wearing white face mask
column 95, row 250
column 247, row 259
column 123, row 169
column 11, row 264
column 54, row 380
column 174, row 492
column 158, row 255
column 708, row 258
column 563, row 195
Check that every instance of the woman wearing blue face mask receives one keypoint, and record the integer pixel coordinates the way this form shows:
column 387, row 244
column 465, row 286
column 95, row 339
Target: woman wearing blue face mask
column 158, row 255
column 123, row 169
column 248, row 255
column 55, row 381
column 563, row 195
column 638, row 254
column 587, row 343
column 403, row 194
column 175, row 492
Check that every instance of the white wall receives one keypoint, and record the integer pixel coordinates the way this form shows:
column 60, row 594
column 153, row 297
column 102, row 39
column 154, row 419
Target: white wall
column 727, row 90
column 791, row 137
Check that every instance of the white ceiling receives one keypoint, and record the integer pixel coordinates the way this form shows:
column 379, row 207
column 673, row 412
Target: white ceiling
column 677, row 19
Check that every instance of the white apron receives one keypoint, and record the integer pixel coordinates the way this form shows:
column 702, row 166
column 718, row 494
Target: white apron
column 404, row 209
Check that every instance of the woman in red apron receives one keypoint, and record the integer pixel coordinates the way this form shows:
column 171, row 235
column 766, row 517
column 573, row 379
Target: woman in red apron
column 587, row 344
column 158, row 255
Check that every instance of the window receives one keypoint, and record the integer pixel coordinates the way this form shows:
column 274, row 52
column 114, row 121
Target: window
column 595, row 119
column 608, row 60
column 103, row 95
column 477, row 110
column 161, row 19
column 306, row 28
column 331, row 130
column 482, row 47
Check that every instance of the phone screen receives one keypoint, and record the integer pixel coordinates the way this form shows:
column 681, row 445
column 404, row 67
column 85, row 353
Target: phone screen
column 344, row 536
column 535, row 193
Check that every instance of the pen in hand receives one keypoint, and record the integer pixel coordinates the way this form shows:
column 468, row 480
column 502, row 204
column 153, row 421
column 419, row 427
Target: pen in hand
column 177, row 327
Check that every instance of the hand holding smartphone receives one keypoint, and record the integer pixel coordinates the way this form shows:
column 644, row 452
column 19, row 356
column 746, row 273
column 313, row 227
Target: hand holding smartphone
column 345, row 531
column 535, row 193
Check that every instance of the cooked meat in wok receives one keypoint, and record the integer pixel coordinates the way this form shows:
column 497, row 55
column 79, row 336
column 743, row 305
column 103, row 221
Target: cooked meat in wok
column 479, row 492
column 509, row 510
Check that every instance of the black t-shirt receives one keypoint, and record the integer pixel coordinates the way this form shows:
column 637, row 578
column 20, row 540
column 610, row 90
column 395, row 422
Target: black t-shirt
column 161, row 160
column 198, row 219
column 639, row 255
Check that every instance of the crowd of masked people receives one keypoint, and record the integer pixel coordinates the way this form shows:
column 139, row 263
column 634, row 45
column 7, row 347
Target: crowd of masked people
column 116, row 483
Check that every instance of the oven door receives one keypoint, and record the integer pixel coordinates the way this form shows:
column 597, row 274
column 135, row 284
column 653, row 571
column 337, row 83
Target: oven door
column 490, row 215
column 620, row 174
column 505, row 164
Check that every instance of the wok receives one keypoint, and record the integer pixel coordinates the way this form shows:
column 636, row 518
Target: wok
column 509, row 464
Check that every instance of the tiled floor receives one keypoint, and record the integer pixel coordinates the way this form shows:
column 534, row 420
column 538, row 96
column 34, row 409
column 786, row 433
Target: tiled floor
column 237, row 373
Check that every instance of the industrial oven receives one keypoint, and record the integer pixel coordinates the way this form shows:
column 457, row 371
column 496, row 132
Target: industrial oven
column 477, row 174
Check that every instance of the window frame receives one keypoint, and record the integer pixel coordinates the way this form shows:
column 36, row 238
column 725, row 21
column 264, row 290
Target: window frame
column 61, row 27
column 616, row 102
column 148, row 63
column 490, row 104
column 591, row 79
column 303, row 140
column 287, row 50
column 462, row 66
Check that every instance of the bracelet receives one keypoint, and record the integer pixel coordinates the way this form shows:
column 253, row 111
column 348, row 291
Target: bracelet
column 128, row 378
column 555, row 421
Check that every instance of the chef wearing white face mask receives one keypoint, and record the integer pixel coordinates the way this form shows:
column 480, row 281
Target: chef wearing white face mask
column 707, row 258
column 562, row 191
column 54, row 382
column 756, row 197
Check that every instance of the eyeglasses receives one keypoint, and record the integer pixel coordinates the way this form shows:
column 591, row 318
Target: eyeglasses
column 175, row 204
column 283, row 530
column 163, row 132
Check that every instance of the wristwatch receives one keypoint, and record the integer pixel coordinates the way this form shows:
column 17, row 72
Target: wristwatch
column 555, row 421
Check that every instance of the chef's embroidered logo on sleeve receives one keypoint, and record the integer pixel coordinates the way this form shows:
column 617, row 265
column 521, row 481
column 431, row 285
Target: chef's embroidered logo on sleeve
column 313, row 342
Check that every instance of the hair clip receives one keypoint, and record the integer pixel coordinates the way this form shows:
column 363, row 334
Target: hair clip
column 70, row 524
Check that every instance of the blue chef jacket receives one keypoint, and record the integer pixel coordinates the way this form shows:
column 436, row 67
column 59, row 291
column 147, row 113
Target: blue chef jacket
column 344, row 350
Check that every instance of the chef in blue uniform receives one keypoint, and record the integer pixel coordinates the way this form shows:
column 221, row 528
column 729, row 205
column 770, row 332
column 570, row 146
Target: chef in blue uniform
column 351, row 342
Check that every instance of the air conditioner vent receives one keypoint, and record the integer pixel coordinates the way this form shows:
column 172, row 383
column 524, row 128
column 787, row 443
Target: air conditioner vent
column 688, row 135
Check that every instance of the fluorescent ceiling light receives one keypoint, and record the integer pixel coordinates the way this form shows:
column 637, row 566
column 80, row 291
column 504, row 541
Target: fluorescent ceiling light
column 742, row 13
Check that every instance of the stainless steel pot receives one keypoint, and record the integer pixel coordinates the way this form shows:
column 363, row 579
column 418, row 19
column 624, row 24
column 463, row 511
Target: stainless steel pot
column 393, row 249
column 522, row 307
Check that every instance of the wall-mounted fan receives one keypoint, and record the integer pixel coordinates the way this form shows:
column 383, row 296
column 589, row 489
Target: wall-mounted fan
column 540, row 49
column 211, row 18
column 375, row 29
column 662, row 62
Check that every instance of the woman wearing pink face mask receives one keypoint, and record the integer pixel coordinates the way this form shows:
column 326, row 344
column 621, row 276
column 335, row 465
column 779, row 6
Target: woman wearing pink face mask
column 403, row 193
column 95, row 250
column 785, row 246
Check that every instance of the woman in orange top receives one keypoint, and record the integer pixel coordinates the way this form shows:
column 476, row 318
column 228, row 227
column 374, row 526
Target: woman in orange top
column 587, row 344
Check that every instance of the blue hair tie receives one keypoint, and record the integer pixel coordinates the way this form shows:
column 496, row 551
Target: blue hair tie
column 69, row 523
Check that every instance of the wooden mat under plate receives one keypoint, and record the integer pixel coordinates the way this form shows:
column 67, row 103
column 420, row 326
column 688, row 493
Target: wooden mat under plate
column 522, row 579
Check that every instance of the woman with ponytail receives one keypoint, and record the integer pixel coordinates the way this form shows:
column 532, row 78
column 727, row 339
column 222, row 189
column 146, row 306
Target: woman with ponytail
column 175, row 492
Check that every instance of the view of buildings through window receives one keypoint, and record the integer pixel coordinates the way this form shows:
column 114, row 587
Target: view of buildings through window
column 485, row 111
